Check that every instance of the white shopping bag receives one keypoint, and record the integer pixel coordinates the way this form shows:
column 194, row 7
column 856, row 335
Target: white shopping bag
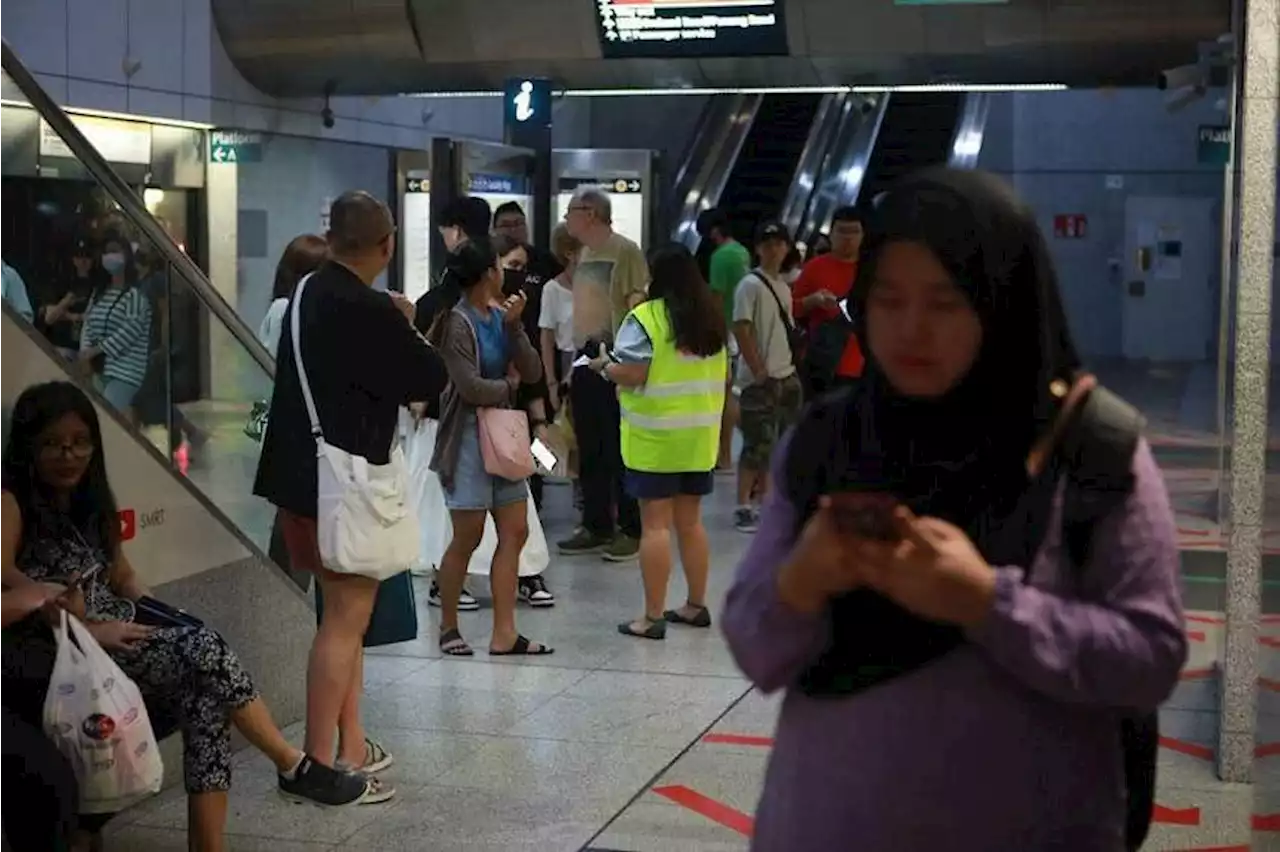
column 95, row 716
column 433, row 516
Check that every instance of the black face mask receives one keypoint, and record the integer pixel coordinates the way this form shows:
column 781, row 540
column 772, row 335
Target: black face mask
column 512, row 281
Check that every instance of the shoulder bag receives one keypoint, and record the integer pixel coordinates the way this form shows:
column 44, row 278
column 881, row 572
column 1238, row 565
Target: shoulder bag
column 365, row 523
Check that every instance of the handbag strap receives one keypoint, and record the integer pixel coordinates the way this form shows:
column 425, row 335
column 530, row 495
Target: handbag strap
column 295, row 327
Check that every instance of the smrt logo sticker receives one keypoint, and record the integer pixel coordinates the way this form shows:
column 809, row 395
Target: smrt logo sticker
column 131, row 715
column 66, row 688
column 98, row 727
column 128, row 524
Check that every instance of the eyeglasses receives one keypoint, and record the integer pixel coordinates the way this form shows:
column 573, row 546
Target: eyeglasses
column 80, row 448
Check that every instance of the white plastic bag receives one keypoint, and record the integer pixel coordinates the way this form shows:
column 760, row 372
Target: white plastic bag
column 95, row 716
column 433, row 516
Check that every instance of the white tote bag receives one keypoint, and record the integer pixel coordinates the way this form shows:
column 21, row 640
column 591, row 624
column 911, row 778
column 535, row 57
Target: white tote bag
column 365, row 523
column 437, row 527
column 95, row 716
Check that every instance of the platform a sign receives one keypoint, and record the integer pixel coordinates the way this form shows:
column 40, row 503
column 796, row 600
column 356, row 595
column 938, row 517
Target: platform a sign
column 235, row 146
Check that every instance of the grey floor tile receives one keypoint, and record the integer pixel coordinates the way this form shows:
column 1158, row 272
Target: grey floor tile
column 656, row 825
column 1223, row 818
column 653, row 687
column 603, row 772
column 651, row 719
column 484, row 821
column 452, row 709
column 481, row 675
column 733, row 777
column 755, row 715
column 141, row 839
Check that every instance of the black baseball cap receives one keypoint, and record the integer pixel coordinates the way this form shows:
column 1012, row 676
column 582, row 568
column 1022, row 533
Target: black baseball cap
column 773, row 231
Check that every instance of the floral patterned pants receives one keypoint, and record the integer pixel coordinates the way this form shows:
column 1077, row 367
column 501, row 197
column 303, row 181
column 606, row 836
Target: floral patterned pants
column 193, row 676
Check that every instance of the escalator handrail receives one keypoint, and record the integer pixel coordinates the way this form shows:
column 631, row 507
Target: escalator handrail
column 133, row 209
column 131, row 429
column 700, row 144
column 966, row 142
column 822, row 133
column 846, row 176
column 713, row 173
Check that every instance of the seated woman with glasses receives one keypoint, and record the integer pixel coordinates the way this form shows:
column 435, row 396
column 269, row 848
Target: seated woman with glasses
column 60, row 525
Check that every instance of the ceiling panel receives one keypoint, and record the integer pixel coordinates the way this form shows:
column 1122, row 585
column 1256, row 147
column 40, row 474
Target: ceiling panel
column 298, row 47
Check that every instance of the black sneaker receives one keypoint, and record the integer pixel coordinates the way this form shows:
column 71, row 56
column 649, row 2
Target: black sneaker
column 534, row 592
column 315, row 784
column 466, row 601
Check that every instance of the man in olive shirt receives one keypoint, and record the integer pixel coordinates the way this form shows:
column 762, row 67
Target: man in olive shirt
column 611, row 278
column 730, row 263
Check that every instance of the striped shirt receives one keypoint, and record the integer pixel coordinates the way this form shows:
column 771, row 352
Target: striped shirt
column 118, row 322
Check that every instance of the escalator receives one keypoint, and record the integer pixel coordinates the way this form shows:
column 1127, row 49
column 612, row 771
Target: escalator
column 918, row 129
column 190, row 525
column 763, row 174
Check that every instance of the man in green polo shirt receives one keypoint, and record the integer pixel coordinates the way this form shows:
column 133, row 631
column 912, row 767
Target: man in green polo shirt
column 730, row 263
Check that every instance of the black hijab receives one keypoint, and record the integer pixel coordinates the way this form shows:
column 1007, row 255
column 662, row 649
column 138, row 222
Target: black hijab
column 961, row 457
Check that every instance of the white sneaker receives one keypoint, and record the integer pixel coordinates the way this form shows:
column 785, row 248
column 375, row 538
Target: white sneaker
column 466, row 601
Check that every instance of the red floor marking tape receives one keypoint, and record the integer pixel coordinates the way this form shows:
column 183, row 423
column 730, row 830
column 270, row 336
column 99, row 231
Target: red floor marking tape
column 1269, row 641
column 1267, row 750
column 1175, row 816
column 1206, row 619
column 1195, row 674
column 718, row 812
column 1195, row 635
column 1185, row 531
column 1184, row 747
column 1270, row 619
column 1266, row 822
column 738, row 739
column 1269, row 684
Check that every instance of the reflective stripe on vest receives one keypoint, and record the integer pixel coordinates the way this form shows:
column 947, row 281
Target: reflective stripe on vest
column 672, row 423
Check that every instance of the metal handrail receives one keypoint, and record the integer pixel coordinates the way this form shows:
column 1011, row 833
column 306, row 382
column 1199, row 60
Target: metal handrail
column 133, row 209
column 846, row 169
column 808, row 170
column 713, row 172
column 966, row 142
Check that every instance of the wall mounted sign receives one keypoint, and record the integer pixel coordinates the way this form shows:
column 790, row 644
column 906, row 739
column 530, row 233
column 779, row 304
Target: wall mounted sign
column 526, row 112
column 1070, row 226
column 117, row 141
column 1213, row 145
column 235, row 146
column 659, row 29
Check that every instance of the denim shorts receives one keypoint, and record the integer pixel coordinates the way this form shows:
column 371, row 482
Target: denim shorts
column 473, row 486
column 663, row 486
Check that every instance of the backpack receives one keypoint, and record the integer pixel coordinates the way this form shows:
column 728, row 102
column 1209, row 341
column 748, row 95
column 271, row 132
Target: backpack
column 1096, row 452
column 826, row 345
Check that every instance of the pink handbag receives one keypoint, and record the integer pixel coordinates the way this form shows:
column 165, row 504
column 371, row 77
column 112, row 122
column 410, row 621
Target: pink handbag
column 504, row 443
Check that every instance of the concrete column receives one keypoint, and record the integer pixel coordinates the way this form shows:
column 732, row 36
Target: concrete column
column 1256, row 155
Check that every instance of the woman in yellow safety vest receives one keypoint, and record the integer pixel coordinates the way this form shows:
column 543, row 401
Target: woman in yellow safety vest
column 670, row 364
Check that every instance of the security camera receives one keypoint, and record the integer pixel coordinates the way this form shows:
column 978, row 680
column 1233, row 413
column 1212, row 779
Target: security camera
column 1182, row 77
column 1183, row 97
column 326, row 116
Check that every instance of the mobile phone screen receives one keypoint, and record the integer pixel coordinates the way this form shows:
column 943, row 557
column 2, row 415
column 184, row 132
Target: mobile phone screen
column 866, row 515
column 542, row 453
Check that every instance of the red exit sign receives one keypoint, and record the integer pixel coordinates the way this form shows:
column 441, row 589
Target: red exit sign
column 1070, row 226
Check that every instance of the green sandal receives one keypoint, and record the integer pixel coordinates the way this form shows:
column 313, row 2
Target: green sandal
column 657, row 629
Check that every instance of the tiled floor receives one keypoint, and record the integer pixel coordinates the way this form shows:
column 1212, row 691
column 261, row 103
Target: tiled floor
column 621, row 744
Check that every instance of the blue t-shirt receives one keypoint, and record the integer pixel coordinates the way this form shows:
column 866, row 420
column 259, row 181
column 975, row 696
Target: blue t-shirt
column 492, row 339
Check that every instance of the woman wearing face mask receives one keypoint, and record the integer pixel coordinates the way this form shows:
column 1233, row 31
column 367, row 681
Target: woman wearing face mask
column 955, row 679
column 117, row 328
column 488, row 357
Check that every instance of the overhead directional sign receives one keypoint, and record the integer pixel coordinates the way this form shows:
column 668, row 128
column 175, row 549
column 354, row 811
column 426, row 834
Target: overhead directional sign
column 615, row 184
column 235, row 146
column 416, row 184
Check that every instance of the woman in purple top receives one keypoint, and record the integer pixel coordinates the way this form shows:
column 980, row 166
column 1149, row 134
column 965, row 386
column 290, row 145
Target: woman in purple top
column 960, row 689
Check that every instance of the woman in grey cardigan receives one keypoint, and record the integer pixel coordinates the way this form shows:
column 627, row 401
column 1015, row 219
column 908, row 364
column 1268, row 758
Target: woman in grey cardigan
column 488, row 356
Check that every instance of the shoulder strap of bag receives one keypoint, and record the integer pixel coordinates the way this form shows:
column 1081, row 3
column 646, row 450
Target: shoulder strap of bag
column 777, row 300
column 295, row 329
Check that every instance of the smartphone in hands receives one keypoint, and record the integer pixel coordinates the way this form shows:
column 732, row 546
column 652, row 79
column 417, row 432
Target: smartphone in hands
column 866, row 515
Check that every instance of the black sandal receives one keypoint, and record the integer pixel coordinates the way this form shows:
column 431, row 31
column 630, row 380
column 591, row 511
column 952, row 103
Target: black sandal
column 453, row 645
column 657, row 629
column 702, row 619
column 523, row 648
